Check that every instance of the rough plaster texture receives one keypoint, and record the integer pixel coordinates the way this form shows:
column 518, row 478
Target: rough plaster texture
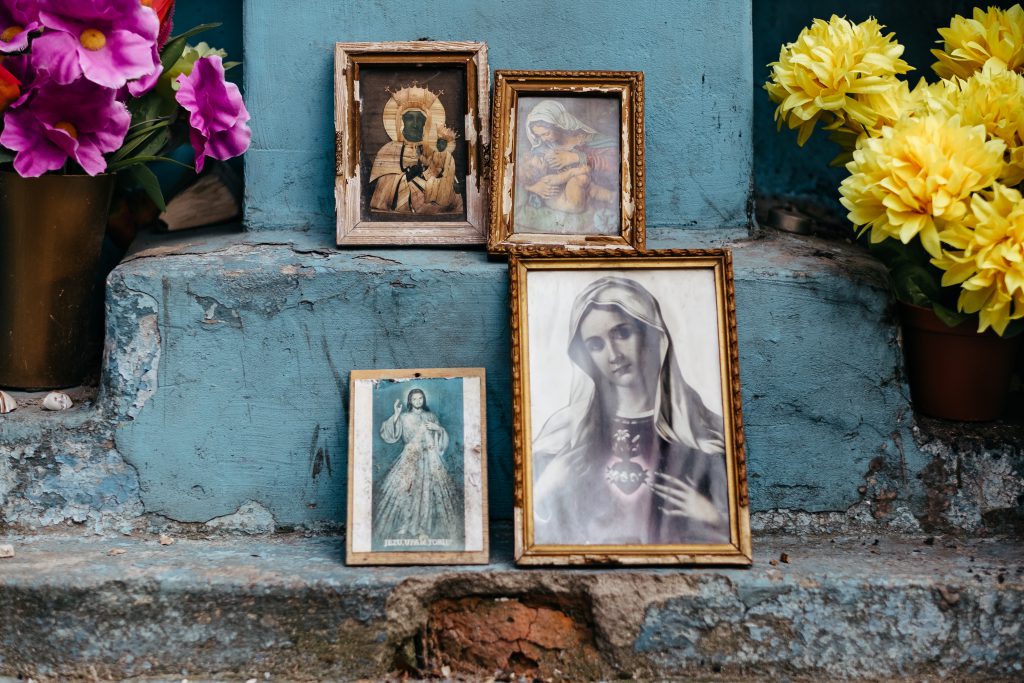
column 62, row 468
column 257, row 339
column 695, row 57
column 224, row 392
column 841, row 608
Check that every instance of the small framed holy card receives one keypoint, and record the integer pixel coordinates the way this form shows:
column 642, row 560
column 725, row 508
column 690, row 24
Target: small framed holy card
column 417, row 467
column 627, row 422
column 411, row 129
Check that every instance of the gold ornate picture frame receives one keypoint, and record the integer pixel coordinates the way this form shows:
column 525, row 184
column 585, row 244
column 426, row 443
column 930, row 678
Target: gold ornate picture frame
column 417, row 467
column 628, row 433
column 411, row 133
column 567, row 165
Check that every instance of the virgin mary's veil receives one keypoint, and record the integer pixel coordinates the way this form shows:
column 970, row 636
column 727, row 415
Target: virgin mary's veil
column 681, row 416
column 554, row 114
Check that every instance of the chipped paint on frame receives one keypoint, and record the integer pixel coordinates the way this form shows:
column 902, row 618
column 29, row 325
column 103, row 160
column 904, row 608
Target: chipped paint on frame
column 504, row 236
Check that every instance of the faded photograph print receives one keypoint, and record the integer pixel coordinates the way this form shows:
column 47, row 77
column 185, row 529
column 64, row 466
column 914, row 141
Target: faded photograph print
column 417, row 468
column 626, row 408
column 418, row 457
column 568, row 165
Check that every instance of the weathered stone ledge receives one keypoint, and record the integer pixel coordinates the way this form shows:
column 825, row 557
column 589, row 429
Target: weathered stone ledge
column 811, row 608
column 224, row 391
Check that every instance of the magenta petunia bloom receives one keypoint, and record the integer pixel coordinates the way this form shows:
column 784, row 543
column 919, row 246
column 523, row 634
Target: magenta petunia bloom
column 216, row 112
column 18, row 18
column 143, row 85
column 110, row 42
column 82, row 121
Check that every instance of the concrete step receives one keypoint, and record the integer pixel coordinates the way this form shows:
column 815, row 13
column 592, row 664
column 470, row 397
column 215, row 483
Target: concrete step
column 811, row 608
column 244, row 344
column 224, row 394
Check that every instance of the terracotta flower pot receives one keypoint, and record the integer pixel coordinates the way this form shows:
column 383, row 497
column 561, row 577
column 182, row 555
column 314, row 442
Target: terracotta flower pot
column 956, row 373
column 51, row 296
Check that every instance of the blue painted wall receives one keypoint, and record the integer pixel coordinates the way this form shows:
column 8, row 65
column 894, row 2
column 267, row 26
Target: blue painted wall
column 228, row 36
column 780, row 166
column 696, row 58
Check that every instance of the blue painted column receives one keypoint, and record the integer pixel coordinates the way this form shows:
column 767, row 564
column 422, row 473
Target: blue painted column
column 695, row 56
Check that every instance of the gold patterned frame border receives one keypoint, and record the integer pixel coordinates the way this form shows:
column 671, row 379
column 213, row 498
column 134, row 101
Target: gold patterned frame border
column 418, row 557
column 352, row 228
column 527, row 553
column 508, row 85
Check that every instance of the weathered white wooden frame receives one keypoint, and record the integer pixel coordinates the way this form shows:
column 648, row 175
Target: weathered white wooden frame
column 355, row 228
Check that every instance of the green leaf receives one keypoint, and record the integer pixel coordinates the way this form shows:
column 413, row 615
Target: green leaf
column 231, row 65
column 165, row 120
column 147, row 145
column 148, row 180
column 915, row 284
column 125, row 163
column 6, row 157
column 176, row 46
column 949, row 316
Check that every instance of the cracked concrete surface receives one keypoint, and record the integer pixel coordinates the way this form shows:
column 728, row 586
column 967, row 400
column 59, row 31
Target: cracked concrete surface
column 226, row 351
column 904, row 607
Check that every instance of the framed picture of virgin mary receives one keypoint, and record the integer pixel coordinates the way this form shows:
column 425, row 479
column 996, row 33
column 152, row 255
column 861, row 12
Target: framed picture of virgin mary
column 628, row 429
column 411, row 127
column 417, row 467
column 568, row 161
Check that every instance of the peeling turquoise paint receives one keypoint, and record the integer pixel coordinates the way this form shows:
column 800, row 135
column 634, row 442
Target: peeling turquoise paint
column 256, row 342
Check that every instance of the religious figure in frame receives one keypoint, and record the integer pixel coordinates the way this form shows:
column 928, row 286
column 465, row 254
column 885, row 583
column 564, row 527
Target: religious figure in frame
column 417, row 487
column 567, row 177
column 634, row 430
column 417, row 497
column 415, row 173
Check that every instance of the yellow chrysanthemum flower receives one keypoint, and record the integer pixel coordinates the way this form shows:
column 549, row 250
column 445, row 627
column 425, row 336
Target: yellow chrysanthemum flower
column 987, row 258
column 917, row 177
column 968, row 44
column 828, row 69
column 994, row 98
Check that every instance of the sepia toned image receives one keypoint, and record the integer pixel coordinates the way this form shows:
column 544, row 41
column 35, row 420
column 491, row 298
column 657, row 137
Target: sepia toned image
column 628, row 414
column 411, row 126
column 568, row 162
column 414, row 149
column 417, row 488
column 568, row 165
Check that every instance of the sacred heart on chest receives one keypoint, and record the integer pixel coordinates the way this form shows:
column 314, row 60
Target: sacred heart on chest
column 627, row 475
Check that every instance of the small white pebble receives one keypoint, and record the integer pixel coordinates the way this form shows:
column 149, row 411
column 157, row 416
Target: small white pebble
column 166, row 540
column 7, row 403
column 6, row 550
column 116, row 551
column 57, row 400
column 251, row 680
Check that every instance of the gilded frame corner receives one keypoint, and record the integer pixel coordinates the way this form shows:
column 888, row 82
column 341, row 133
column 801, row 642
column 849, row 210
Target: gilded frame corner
column 737, row 551
column 504, row 236
column 353, row 227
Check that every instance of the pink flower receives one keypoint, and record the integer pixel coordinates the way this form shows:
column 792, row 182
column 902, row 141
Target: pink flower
column 81, row 121
column 110, row 42
column 217, row 114
column 18, row 18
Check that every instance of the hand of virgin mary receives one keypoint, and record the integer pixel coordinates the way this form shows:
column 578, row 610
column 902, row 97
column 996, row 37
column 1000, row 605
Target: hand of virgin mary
column 681, row 499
